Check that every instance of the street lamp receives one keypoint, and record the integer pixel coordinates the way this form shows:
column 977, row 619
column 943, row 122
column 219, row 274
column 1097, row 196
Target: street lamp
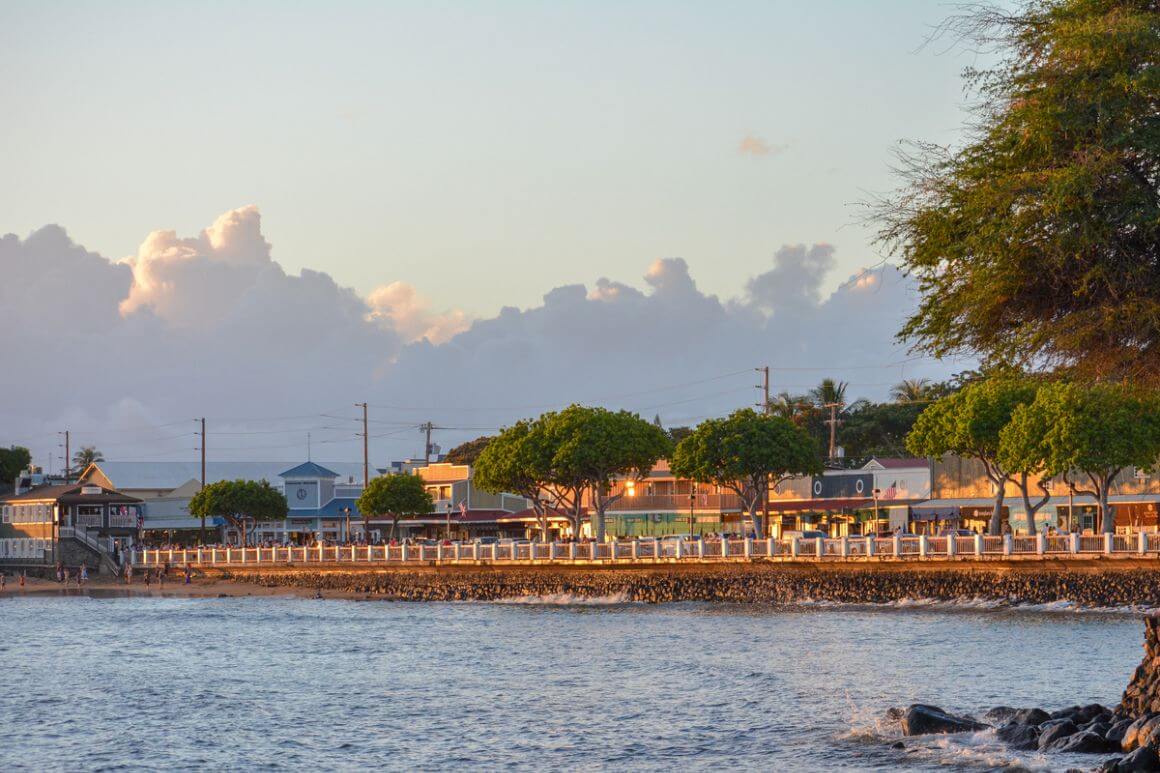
column 692, row 501
column 346, row 512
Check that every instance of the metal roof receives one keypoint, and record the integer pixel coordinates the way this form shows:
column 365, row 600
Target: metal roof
column 170, row 475
column 308, row 470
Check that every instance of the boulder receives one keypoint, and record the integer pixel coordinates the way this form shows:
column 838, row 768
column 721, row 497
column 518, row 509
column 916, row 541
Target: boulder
column 1050, row 732
column 1019, row 736
column 1000, row 714
column 1143, row 760
column 1030, row 717
column 1116, row 732
column 1069, row 713
column 1131, row 738
column 921, row 719
column 1083, row 742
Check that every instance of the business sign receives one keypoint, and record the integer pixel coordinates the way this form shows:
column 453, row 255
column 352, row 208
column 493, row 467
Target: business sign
column 842, row 486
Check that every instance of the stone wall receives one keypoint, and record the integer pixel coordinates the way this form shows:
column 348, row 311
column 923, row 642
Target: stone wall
column 1112, row 587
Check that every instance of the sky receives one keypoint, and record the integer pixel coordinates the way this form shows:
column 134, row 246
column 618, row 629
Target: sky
column 458, row 212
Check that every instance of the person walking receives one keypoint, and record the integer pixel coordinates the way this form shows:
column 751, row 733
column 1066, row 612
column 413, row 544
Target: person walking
column 3, row 581
column 22, row 581
column 188, row 574
column 128, row 574
column 84, row 575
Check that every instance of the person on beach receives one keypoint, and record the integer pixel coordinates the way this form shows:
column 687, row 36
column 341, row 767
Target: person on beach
column 188, row 574
column 128, row 574
column 60, row 573
column 67, row 577
column 3, row 581
column 148, row 578
column 22, row 581
column 84, row 575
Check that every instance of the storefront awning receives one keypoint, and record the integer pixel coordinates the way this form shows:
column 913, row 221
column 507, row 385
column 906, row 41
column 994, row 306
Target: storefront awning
column 946, row 513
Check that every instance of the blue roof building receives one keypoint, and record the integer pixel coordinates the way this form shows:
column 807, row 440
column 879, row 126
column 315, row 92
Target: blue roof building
column 319, row 502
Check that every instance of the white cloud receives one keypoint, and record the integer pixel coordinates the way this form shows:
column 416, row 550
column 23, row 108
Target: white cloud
column 211, row 325
column 756, row 147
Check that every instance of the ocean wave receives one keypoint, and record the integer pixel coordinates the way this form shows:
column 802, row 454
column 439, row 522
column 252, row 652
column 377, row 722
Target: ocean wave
column 972, row 603
column 567, row 599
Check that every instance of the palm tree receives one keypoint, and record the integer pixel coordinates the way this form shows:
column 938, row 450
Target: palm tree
column 792, row 407
column 910, row 390
column 86, row 456
column 829, row 392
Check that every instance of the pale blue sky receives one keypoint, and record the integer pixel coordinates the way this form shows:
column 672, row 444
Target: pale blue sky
column 483, row 152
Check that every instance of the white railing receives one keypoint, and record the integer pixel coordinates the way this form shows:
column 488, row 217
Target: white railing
column 648, row 550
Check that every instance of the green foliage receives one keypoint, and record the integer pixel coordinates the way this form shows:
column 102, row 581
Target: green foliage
column 878, row 429
column 594, row 445
column 1095, row 431
column 743, row 451
column 84, row 457
column 398, row 496
column 969, row 422
column 467, row 453
column 677, row 434
column 236, row 500
column 1039, row 241
column 12, row 460
column 517, row 460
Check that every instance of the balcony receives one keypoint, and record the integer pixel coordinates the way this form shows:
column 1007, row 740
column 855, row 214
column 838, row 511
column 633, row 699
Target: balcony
column 676, row 503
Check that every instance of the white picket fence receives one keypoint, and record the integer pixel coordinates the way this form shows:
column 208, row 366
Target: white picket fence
column 896, row 548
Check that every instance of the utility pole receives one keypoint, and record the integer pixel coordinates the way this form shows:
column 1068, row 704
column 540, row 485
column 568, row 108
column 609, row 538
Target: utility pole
column 427, row 448
column 201, row 537
column 766, row 406
column 833, row 422
column 67, row 456
column 366, row 448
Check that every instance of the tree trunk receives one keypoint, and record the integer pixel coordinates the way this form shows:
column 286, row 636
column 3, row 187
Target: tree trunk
column 996, row 526
column 758, row 525
column 1108, row 512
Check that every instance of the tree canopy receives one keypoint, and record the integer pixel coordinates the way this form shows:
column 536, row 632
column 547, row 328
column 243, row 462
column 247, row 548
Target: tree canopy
column 1038, row 242
column 968, row 423
column 467, row 453
column 13, row 460
column 86, row 456
column 743, row 451
column 398, row 496
column 1089, row 433
column 239, row 500
column 591, row 446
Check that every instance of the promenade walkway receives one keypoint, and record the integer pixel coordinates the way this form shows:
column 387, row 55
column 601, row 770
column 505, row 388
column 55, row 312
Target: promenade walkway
column 896, row 548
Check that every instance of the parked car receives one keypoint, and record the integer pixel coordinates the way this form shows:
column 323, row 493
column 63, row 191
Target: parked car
column 805, row 535
column 487, row 540
column 956, row 533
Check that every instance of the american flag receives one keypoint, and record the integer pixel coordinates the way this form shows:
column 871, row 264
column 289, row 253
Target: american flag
column 891, row 492
column 463, row 509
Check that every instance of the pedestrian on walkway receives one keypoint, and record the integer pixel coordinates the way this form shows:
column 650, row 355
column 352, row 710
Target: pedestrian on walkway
column 84, row 575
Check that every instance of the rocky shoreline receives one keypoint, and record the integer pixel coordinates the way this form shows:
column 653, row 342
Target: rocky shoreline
column 751, row 583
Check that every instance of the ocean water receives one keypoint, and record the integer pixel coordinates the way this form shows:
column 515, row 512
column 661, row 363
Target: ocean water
column 297, row 684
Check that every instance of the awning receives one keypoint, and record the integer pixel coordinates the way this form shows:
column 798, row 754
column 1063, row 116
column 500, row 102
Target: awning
column 947, row 513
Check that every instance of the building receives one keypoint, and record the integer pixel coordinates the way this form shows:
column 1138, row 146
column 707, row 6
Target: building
column 322, row 505
column 68, row 522
column 166, row 488
column 462, row 509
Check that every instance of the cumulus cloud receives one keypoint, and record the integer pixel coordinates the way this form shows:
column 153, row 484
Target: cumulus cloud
column 211, row 325
column 410, row 314
column 756, row 147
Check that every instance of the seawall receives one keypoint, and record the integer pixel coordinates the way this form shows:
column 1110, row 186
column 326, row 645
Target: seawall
column 1120, row 585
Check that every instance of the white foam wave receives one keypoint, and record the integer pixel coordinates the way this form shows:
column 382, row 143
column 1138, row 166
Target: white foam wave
column 567, row 599
column 979, row 603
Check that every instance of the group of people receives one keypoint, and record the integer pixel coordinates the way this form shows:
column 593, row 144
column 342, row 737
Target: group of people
column 65, row 575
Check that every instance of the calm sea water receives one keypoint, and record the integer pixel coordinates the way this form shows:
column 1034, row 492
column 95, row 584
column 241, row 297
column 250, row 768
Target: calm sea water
column 284, row 683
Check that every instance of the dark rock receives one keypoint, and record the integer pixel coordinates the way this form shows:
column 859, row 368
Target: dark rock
column 895, row 714
column 1051, row 732
column 1083, row 742
column 1071, row 712
column 1019, row 736
column 1143, row 760
column 1109, row 765
column 1099, row 728
column 1116, row 732
column 921, row 719
column 1000, row 714
column 898, row 745
column 1031, row 717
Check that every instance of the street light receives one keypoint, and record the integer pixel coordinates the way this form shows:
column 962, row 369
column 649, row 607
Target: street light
column 346, row 511
column 692, row 501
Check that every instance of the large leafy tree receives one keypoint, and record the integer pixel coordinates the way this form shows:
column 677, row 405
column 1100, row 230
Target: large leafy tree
column 1086, row 434
column 519, row 461
column 12, row 460
column 968, row 423
column 593, row 446
column 878, row 429
column 1038, row 241
column 398, row 496
column 467, row 453
column 747, row 452
column 239, row 501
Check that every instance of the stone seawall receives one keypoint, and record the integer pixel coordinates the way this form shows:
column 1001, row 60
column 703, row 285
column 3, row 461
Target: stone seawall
column 783, row 583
